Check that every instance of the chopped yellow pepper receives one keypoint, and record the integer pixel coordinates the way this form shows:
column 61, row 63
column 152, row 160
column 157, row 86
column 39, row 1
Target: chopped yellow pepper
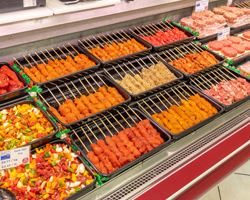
column 89, row 181
column 13, row 174
column 74, row 179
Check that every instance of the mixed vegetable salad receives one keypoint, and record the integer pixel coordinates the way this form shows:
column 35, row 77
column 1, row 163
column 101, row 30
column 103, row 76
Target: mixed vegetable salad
column 22, row 124
column 54, row 173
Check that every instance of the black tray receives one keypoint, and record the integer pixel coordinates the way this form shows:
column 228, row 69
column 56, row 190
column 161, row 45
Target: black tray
column 99, row 135
column 173, row 95
column 9, row 193
column 227, row 108
column 50, row 99
column 116, row 76
column 218, row 57
column 16, row 93
column 80, row 73
column 42, row 140
column 190, row 35
column 84, row 190
column 117, row 60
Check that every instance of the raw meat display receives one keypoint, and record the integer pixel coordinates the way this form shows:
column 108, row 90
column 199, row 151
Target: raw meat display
column 148, row 78
column 245, row 68
column 85, row 106
column 179, row 118
column 165, row 37
column 230, row 47
column 194, row 62
column 247, row 34
column 58, row 67
column 124, row 147
column 9, row 81
column 205, row 22
column 229, row 92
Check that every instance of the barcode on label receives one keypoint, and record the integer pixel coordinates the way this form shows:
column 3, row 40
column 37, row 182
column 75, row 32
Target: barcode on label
column 29, row 3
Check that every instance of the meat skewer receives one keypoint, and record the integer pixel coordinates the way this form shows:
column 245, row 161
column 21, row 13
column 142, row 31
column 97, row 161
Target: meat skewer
column 100, row 161
column 120, row 145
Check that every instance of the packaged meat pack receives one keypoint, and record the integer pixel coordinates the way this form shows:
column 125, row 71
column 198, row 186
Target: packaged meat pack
column 204, row 22
column 245, row 68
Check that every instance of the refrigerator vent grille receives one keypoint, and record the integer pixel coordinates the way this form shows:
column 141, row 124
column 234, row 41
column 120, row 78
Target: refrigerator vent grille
column 141, row 180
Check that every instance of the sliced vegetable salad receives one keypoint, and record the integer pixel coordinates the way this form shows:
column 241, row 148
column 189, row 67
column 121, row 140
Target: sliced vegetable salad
column 53, row 173
column 22, row 124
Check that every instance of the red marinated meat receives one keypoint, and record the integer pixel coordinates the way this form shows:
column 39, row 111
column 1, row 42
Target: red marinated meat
column 215, row 45
column 246, row 34
column 4, row 76
column 229, row 51
column 3, row 92
column 234, row 39
column 245, row 44
column 4, row 84
column 239, row 48
column 5, row 70
column 226, row 43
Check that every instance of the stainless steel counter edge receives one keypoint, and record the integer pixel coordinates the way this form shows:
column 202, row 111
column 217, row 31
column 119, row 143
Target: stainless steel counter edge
column 57, row 25
column 120, row 182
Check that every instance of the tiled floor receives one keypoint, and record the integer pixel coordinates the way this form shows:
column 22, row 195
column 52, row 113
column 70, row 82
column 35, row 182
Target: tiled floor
column 235, row 186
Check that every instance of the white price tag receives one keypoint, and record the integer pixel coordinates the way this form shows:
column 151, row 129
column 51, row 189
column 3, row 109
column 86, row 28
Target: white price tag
column 14, row 157
column 29, row 3
column 229, row 2
column 201, row 5
column 223, row 34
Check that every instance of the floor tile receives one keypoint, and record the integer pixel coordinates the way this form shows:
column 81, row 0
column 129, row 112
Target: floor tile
column 212, row 194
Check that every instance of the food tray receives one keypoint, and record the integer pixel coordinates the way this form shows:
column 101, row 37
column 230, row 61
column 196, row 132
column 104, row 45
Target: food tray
column 236, row 60
column 173, row 95
column 99, row 135
column 190, row 35
column 84, row 190
column 10, row 194
column 139, row 67
column 42, row 140
column 16, row 93
column 166, row 60
column 117, row 60
column 52, row 102
column 80, row 73
column 226, row 107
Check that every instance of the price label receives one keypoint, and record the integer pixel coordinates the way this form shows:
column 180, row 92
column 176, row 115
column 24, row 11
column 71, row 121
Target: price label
column 229, row 2
column 201, row 5
column 223, row 34
column 29, row 3
column 14, row 157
